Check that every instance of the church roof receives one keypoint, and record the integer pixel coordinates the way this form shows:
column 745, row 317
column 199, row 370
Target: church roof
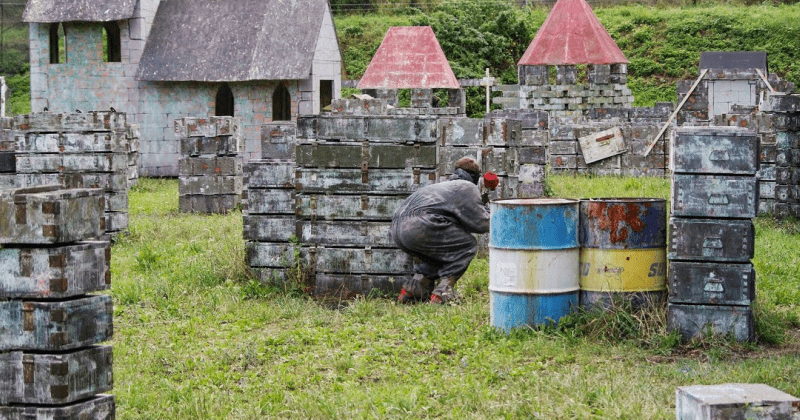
column 409, row 57
column 49, row 11
column 572, row 34
column 232, row 40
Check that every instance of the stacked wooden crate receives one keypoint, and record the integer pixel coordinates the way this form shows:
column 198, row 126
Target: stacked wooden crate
column 210, row 172
column 51, row 363
column 785, row 112
column 328, row 202
column 82, row 150
column 711, row 242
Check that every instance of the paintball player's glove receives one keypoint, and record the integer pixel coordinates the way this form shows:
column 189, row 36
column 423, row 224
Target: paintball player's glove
column 485, row 197
column 490, row 180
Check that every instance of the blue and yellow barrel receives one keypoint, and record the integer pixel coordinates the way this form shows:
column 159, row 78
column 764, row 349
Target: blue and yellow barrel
column 533, row 261
column 623, row 251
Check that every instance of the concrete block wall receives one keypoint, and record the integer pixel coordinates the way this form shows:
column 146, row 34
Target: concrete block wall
column 51, row 358
column 210, row 171
column 86, row 150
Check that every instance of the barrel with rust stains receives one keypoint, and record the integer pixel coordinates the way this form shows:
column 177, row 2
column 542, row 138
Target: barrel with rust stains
column 533, row 261
column 623, row 251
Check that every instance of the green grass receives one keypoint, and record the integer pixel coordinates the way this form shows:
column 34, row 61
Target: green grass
column 190, row 343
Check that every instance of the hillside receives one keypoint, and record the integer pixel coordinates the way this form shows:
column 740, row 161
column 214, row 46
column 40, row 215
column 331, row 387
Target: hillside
column 663, row 44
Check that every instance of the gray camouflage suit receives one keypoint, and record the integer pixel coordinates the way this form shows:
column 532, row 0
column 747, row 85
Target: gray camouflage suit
column 436, row 225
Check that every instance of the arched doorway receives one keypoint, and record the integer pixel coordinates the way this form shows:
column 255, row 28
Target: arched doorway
column 224, row 101
column 281, row 104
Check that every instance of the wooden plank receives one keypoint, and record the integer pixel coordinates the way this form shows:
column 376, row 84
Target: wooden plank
column 654, row 140
column 602, row 144
column 711, row 240
column 49, row 379
column 714, row 196
column 55, row 325
column 55, row 272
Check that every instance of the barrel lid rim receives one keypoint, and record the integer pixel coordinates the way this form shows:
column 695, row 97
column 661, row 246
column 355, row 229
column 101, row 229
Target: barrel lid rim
column 535, row 201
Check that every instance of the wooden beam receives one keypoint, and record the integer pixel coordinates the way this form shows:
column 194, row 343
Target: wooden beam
column 674, row 113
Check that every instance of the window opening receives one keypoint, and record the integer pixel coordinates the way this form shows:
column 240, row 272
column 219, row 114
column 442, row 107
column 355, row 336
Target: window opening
column 224, row 101
column 281, row 104
column 112, row 43
column 325, row 93
column 58, row 43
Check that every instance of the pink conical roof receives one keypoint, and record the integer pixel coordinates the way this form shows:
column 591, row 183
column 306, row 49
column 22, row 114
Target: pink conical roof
column 409, row 57
column 572, row 34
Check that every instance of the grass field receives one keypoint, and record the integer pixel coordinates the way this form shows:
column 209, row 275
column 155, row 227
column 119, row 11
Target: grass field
column 196, row 338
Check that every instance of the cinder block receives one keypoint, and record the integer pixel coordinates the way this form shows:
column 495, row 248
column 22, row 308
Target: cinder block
column 735, row 401
column 50, row 215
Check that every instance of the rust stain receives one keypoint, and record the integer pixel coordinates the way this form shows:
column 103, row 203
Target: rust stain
column 616, row 219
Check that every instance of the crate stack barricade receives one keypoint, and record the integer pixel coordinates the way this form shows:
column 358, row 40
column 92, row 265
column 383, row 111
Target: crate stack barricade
column 711, row 235
column 785, row 111
column 268, row 208
column 52, row 362
column 97, row 149
column 210, row 174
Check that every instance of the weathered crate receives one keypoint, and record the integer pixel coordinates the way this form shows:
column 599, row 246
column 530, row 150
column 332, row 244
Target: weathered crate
column 269, row 174
column 214, row 146
column 711, row 240
column 461, row 132
column 696, row 320
column 347, row 207
column 354, row 181
column 85, row 122
column 268, row 228
column 270, row 254
column 501, row 132
column 228, row 165
column 530, row 155
column 206, row 126
column 48, row 379
column 351, row 285
column 563, row 147
column 783, row 157
column 532, row 137
column 767, row 154
column 780, row 102
column 98, row 407
column 602, row 144
column 734, row 401
column 499, row 160
column 717, row 150
column 116, row 202
column 73, row 142
column 55, row 272
column 8, row 181
column 531, row 181
column 714, row 196
column 115, row 221
column 345, row 233
column 55, row 325
column 357, row 155
column 278, row 140
column 358, row 260
column 393, row 129
column 105, row 181
column 711, row 283
column 50, row 215
column 221, row 203
column 319, row 127
column 269, row 201
column 210, row 184
column 72, row 162
column 563, row 162
column 766, row 190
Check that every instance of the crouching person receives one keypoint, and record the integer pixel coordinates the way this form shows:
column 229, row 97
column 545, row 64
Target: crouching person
column 436, row 225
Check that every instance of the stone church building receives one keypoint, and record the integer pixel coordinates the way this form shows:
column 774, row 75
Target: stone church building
column 158, row 61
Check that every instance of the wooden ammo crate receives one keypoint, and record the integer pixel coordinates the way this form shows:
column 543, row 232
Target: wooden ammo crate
column 55, row 272
column 715, row 196
column 50, row 215
column 711, row 240
column 210, row 184
column 365, row 260
column 711, row 283
column 359, row 155
column 55, row 325
column 695, row 320
column 218, row 165
column 715, row 150
column 48, row 379
column 268, row 173
column 347, row 207
column 354, row 181
column 269, row 201
column 345, row 233
column 98, row 407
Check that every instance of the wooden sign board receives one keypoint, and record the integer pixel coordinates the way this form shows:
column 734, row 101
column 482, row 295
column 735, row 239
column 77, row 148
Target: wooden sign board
column 603, row 144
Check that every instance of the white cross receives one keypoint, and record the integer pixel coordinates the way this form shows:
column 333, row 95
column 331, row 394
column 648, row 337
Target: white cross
column 488, row 82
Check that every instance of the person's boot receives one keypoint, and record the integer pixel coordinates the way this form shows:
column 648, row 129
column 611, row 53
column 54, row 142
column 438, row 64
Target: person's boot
column 445, row 292
column 415, row 289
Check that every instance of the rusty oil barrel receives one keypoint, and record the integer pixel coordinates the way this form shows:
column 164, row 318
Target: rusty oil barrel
column 623, row 251
column 533, row 261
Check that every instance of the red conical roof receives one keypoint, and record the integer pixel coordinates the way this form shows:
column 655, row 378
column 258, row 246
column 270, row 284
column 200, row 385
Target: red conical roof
column 409, row 57
column 572, row 34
